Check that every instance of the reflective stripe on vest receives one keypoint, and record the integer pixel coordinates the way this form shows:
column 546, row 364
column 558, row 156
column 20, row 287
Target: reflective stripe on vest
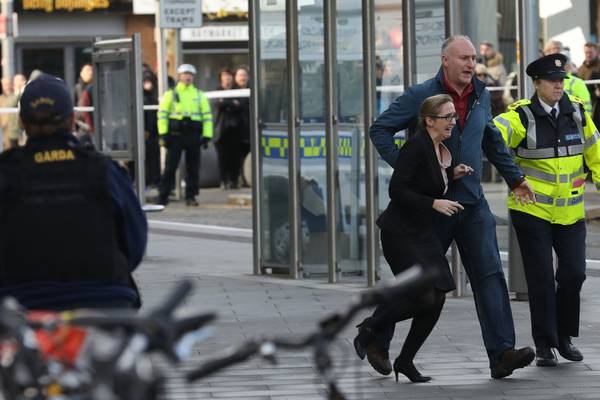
column 505, row 123
column 589, row 142
column 549, row 200
column 551, row 178
column 531, row 131
column 549, row 152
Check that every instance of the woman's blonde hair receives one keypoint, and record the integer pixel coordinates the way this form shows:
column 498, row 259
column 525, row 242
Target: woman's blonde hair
column 431, row 106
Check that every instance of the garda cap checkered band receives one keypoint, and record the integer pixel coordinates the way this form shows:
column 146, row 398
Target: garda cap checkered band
column 551, row 66
column 46, row 99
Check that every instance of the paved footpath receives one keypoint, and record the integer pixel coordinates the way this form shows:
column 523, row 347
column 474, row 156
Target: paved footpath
column 220, row 263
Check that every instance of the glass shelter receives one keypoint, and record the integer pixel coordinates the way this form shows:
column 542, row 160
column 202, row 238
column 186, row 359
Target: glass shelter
column 321, row 72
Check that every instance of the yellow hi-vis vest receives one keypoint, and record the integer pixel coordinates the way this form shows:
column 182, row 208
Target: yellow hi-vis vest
column 184, row 102
column 556, row 181
column 575, row 86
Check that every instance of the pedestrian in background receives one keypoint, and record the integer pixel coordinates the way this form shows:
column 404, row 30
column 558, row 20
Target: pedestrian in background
column 184, row 124
column 552, row 137
column 71, row 229
column 473, row 229
column 417, row 188
column 7, row 99
column 14, row 132
column 228, row 136
column 496, row 98
column 242, row 81
column 151, row 130
column 493, row 60
column 590, row 70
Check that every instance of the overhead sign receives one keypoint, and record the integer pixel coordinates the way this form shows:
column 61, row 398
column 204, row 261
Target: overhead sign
column 180, row 13
column 216, row 33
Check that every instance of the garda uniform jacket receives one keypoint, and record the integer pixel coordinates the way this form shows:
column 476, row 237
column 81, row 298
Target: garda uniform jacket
column 465, row 145
column 72, row 230
column 552, row 154
column 185, row 102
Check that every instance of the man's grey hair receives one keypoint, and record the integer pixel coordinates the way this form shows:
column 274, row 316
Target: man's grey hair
column 451, row 39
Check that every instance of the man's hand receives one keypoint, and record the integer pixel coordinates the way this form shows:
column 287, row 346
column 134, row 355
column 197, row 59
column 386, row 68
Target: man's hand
column 524, row 194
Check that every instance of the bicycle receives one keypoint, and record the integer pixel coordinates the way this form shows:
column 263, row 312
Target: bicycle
column 112, row 356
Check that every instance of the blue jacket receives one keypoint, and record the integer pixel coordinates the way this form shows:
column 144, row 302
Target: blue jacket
column 479, row 133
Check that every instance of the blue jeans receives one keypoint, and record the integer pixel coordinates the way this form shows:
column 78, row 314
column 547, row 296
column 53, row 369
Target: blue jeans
column 474, row 231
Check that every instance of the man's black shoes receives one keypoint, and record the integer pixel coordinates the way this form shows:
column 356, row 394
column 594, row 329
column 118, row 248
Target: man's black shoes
column 545, row 357
column 512, row 359
column 567, row 350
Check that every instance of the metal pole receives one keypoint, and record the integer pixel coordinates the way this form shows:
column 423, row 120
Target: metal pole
column 178, row 47
column 371, row 187
column 257, row 227
column 140, row 153
column 8, row 43
column 409, row 45
column 161, row 52
column 331, row 136
column 454, row 23
column 528, row 34
column 454, row 26
column 291, row 15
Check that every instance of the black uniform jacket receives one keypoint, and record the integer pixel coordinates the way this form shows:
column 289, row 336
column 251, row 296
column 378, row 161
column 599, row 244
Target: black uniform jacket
column 416, row 182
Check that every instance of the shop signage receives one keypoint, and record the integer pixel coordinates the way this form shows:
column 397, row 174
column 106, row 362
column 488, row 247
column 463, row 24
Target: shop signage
column 180, row 13
column 215, row 33
column 208, row 7
column 86, row 6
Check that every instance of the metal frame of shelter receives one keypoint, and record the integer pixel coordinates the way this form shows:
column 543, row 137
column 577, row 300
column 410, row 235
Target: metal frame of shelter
column 118, row 103
column 331, row 123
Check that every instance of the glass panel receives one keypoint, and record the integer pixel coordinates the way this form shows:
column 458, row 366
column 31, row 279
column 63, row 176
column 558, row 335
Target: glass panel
column 113, row 86
column 389, row 80
column 273, row 136
column 313, row 178
column 50, row 61
column 429, row 34
column 351, row 234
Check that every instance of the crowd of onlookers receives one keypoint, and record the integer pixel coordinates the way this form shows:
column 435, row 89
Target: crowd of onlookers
column 490, row 69
column 231, row 119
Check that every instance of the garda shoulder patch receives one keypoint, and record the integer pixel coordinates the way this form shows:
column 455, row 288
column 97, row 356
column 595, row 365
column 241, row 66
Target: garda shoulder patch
column 53, row 156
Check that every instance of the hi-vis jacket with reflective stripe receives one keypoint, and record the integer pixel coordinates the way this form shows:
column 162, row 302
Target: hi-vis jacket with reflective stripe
column 576, row 87
column 190, row 102
column 551, row 154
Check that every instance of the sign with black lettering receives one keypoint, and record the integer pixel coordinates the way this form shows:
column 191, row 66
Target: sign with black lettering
column 180, row 13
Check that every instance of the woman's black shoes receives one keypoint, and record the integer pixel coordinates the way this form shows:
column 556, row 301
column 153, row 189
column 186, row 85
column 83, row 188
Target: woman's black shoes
column 408, row 369
column 365, row 346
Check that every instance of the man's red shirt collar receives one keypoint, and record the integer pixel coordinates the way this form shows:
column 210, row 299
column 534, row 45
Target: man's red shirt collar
column 461, row 102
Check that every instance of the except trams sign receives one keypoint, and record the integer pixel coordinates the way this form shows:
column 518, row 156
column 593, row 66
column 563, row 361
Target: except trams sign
column 180, row 13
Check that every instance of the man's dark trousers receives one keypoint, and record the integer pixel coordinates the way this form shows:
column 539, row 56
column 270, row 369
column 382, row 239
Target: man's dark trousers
column 188, row 142
column 474, row 230
column 554, row 308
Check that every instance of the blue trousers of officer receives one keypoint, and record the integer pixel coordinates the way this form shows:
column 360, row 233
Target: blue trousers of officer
column 554, row 307
column 188, row 142
column 474, row 231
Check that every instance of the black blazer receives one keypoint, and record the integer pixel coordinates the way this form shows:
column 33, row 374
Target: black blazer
column 416, row 182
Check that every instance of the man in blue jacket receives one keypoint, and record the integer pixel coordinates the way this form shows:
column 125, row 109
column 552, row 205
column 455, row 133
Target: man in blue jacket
column 473, row 229
column 71, row 228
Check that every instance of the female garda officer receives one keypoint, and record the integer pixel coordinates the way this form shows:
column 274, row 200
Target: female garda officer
column 551, row 136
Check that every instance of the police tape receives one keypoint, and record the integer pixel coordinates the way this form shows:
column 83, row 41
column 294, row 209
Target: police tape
column 215, row 94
